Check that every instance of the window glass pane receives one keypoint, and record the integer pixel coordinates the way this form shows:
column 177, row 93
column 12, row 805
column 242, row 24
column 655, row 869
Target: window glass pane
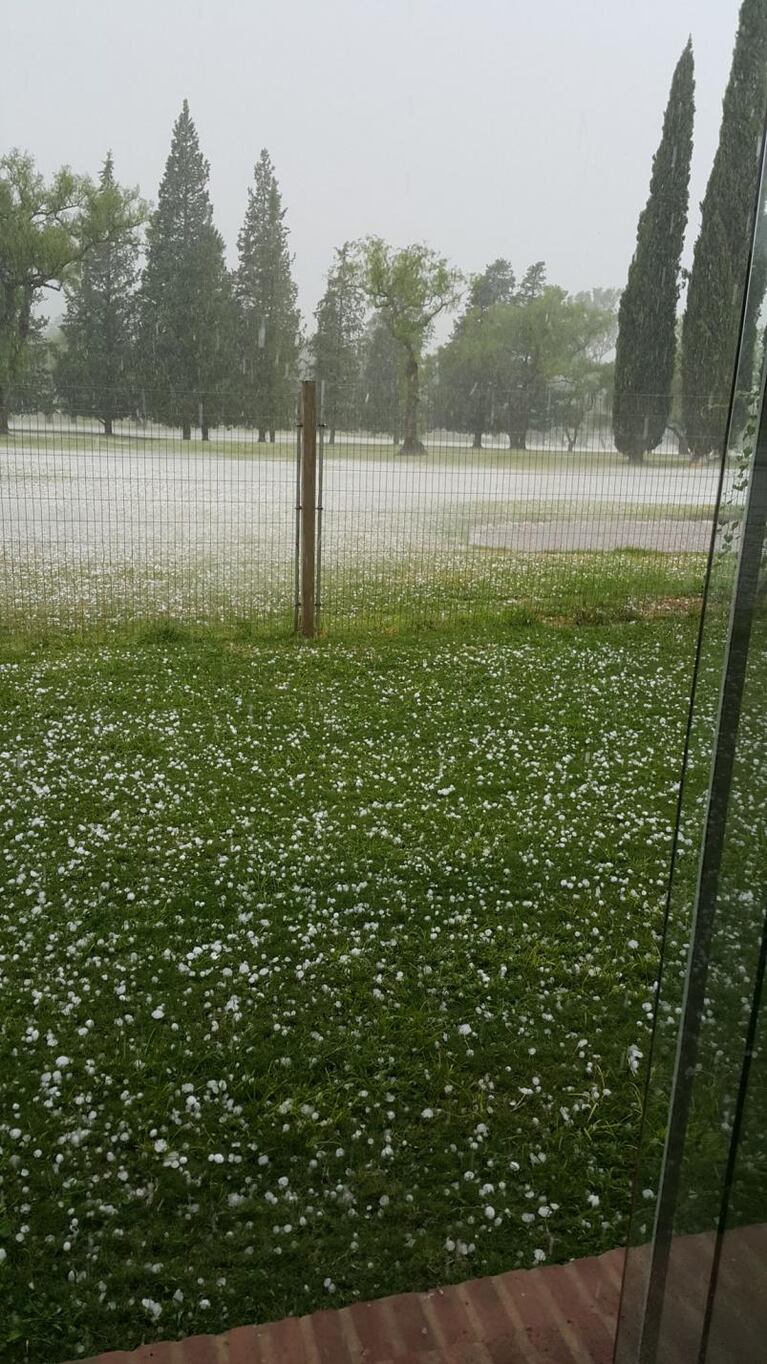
column 686, row 1155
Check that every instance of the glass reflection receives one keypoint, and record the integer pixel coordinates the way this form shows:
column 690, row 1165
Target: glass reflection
column 701, row 1192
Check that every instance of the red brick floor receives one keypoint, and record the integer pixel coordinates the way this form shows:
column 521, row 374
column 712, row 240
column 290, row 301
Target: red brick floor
column 558, row 1314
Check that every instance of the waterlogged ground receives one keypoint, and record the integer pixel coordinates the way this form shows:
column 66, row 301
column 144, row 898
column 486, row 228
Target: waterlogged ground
column 326, row 972
column 94, row 531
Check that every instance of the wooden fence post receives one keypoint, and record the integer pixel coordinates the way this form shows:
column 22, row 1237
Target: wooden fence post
column 308, row 505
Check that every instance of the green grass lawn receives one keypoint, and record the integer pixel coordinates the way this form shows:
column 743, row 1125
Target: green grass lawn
column 432, row 590
column 326, row 971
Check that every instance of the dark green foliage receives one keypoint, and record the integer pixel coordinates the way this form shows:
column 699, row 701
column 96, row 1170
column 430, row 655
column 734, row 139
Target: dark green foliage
column 465, row 383
column 95, row 368
column 340, row 316
column 465, row 386
column 715, row 294
column 533, row 342
column 524, row 357
column 34, row 389
column 46, row 231
column 496, row 284
column 409, row 288
column 646, row 346
column 268, row 317
column 581, row 402
column 382, row 386
column 752, row 345
column 532, row 284
column 186, row 307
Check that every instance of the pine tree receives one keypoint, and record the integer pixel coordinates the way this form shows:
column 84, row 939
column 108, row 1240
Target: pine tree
column 496, row 284
column 95, row 369
column 268, row 318
column 340, row 316
column 533, row 283
column 187, row 320
column 720, row 260
column 646, row 345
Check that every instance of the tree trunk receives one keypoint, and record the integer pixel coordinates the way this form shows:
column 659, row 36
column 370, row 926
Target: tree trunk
column 272, row 436
column 518, row 421
column 571, row 442
column 186, row 430
column 4, row 427
column 332, row 436
column 411, row 445
column 261, row 435
column 681, row 438
column 476, row 444
column 108, row 426
column 636, row 458
column 204, row 430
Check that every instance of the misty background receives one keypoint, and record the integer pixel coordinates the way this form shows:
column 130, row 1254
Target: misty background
column 497, row 129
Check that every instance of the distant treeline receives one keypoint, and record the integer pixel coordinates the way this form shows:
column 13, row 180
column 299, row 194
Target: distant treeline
column 158, row 327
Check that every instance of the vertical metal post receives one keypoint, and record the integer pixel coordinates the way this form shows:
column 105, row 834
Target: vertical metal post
column 320, row 470
column 297, row 547
column 308, row 505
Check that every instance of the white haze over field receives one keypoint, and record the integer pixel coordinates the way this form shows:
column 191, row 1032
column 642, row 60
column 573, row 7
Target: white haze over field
column 500, row 127
column 123, row 529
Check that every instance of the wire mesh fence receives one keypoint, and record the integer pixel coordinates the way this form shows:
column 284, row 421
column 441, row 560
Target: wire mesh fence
column 143, row 525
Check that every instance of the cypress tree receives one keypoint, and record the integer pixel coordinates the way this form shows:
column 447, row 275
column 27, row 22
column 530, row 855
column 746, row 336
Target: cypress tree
column 752, row 346
column 95, row 368
column 646, row 344
column 267, row 305
column 186, row 294
column 720, row 260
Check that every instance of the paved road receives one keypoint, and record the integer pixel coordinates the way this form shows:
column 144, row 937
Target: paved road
column 570, row 533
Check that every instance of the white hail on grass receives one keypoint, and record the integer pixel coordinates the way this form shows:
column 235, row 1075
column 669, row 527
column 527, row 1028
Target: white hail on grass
column 267, row 941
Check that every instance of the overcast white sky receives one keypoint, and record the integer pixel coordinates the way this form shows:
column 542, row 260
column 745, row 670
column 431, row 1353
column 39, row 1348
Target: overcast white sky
column 521, row 128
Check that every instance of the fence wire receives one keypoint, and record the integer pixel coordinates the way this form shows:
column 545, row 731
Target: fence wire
column 144, row 526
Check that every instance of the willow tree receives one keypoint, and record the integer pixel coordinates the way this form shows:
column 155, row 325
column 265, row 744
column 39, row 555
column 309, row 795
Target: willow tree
column 408, row 288
column 47, row 229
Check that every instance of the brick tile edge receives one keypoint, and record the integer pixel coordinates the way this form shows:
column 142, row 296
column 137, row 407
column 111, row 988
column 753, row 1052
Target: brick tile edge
column 556, row 1314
